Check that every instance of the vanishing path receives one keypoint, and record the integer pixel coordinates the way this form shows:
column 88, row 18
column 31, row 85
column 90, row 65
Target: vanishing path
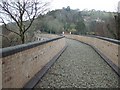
column 80, row 67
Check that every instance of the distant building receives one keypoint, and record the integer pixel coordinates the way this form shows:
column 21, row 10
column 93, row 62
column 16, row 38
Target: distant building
column 99, row 20
column 38, row 36
column 119, row 6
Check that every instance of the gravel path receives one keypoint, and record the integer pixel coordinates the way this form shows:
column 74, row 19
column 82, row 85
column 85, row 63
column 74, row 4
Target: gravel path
column 80, row 67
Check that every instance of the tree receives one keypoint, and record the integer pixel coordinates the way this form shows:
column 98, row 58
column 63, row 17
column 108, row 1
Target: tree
column 117, row 19
column 81, row 28
column 68, row 8
column 118, row 26
column 22, row 13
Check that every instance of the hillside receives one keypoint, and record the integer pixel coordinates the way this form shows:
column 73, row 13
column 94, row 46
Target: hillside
column 78, row 22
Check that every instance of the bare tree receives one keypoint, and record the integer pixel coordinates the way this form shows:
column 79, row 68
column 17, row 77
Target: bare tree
column 20, row 12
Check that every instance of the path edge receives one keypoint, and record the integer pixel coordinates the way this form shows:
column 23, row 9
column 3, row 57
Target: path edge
column 115, row 68
column 33, row 81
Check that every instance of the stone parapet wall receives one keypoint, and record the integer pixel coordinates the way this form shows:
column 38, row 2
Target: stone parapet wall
column 109, row 49
column 0, row 74
column 20, row 67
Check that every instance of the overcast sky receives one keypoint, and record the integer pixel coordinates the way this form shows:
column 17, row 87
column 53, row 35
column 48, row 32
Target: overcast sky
column 107, row 5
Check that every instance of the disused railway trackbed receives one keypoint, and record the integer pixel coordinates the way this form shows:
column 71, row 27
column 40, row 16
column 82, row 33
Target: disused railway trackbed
column 81, row 67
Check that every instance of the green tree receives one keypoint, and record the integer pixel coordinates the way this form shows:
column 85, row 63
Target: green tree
column 80, row 27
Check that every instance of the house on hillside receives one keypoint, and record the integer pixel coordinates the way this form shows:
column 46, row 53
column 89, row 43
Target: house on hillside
column 99, row 20
column 39, row 37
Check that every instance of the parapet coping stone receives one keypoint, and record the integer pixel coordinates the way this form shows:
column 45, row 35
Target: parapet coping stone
column 18, row 48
